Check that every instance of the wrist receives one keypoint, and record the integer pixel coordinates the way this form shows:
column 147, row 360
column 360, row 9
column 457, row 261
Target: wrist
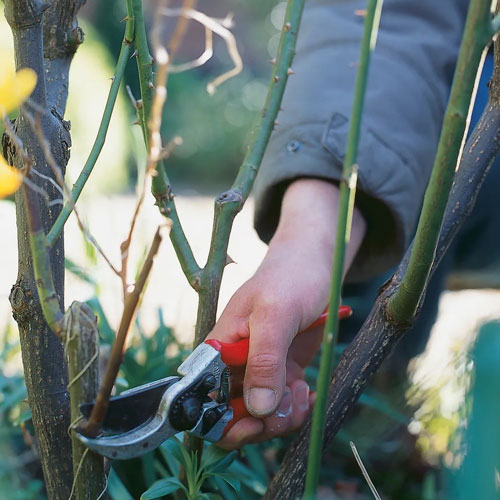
column 308, row 223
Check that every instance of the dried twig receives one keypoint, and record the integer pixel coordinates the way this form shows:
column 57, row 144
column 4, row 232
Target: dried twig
column 199, row 61
column 364, row 471
column 220, row 29
column 93, row 425
column 155, row 148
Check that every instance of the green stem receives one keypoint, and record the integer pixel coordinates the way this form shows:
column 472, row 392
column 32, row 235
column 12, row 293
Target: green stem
column 144, row 65
column 346, row 205
column 477, row 34
column 49, row 300
column 161, row 187
column 123, row 58
column 229, row 203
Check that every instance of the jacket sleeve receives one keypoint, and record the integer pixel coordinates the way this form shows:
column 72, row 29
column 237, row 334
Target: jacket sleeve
column 410, row 75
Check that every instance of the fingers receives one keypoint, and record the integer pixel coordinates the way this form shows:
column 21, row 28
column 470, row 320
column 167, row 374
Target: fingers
column 265, row 374
column 293, row 409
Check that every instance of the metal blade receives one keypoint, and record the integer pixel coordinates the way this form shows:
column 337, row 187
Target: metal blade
column 133, row 408
column 140, row 440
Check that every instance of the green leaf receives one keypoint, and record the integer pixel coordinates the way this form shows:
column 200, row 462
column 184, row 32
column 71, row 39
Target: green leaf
column 147, row 464
column 221, row 486
column 79, row 272
column 216, row 459
column 117, row 490
column 209, row 496
column 249, row 477
column 228, row 478
column 167, row 451
column 12, row 399
column 106, row 333
column 163, row 487
column 257, row 469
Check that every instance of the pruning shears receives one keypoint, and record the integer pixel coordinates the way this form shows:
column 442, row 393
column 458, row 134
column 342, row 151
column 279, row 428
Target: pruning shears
column 198, row 401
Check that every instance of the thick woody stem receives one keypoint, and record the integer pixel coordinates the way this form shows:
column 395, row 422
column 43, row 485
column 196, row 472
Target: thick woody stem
column 36, row 26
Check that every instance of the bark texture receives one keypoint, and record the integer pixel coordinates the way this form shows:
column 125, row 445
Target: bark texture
column 34, row 25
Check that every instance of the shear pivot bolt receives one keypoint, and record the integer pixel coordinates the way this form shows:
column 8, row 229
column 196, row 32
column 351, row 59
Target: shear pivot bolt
column 191, row 408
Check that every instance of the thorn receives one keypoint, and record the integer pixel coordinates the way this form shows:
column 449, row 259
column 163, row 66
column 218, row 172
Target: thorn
column 360, row 12
column 276, row 78
column 276, row 123
column 136, row 123
column 286, row 27
column 124, row 19
column 273, row 60
column 112, row 78
column 290, row 71
column 229, row 260
column 134, row 54
column 151, row 85
column 139, row 103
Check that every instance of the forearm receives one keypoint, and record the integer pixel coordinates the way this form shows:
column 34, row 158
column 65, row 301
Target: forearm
column 309, row 216
column 304, row 241
column 415, row 55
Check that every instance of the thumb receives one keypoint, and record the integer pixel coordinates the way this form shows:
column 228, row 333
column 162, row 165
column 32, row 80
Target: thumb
column 265, row 375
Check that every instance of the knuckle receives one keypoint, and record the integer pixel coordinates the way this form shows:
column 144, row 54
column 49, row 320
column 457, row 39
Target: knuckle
column 265, row 365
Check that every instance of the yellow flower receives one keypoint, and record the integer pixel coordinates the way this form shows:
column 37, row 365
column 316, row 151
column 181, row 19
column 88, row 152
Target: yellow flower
column 10, row 179
column 15, row 88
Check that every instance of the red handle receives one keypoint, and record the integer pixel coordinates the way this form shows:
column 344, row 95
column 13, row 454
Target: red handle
column 235, row 354
column 239, row 411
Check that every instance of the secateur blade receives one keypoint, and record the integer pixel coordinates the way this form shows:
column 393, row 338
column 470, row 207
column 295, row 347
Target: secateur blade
column 133, row 408
column 141, row 439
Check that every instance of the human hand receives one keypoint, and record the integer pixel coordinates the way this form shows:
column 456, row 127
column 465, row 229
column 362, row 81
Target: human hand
column 287, row 294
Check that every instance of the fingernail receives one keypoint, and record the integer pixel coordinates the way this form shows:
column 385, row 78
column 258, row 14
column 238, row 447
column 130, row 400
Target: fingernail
column 302, row 397
column 261, row 401
column 285, row 407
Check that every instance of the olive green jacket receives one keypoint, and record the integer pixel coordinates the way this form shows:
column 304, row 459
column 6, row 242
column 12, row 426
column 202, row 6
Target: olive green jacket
column 410, row 75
